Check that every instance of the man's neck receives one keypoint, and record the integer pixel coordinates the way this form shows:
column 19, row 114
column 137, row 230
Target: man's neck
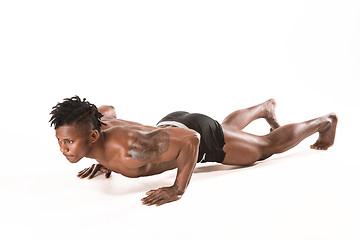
column 97, row 150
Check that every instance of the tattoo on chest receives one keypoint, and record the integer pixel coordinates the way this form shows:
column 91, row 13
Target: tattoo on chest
column 146, row 146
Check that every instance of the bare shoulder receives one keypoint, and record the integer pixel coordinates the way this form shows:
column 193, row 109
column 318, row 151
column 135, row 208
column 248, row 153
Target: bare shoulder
column 113, row 122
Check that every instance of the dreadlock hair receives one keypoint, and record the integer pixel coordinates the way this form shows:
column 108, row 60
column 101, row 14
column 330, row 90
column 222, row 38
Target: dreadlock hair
column 74, row 111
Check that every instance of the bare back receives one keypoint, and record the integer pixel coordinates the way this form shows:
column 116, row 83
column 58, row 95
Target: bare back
column 136, row 150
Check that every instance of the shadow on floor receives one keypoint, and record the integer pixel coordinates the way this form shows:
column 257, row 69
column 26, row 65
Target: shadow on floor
column 118, row 185
column 218, row 168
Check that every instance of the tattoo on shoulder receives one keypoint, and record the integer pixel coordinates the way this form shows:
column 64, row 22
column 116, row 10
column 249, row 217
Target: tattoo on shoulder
column 146, row 146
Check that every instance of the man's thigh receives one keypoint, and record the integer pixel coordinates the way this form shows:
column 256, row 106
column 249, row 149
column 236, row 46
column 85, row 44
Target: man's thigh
column 242, row 148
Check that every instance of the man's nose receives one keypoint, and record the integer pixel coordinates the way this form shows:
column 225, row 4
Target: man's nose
column 63, row 148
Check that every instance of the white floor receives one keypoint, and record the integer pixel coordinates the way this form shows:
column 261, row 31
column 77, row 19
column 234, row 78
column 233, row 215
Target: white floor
column 301, row 194
column 148, row 58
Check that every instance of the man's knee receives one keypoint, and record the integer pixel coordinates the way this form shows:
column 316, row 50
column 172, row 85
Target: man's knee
column 267, row 148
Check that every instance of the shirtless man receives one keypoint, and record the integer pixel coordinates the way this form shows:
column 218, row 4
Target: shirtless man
column 179, row 141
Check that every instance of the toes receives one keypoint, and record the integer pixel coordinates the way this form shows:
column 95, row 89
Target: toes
column 272, row 102
column 319, row 147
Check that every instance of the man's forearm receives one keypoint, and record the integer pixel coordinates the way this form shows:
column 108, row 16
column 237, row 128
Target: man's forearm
column 186, row 163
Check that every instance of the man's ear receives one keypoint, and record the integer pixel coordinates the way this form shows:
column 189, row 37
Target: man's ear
column 94, row 135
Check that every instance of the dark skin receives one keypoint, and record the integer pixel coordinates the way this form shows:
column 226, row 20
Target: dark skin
column 135, row 150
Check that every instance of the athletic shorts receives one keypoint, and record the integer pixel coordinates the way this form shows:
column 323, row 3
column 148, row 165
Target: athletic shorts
column 212, row 135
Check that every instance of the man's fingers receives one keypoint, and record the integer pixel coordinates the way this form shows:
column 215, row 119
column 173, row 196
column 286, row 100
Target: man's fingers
column 153, row 198
column 161, row 202
column 89, row 170
column 81, row 172
column 150, row 192
column 107, row 175
column 151, row 201
column 161, row 196
column 151, row 195
column 94, row 171
column 148, row 199
column 158, row 200
column 105, row 170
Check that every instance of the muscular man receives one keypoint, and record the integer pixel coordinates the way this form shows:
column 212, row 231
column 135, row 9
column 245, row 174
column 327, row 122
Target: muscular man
column 179, row 141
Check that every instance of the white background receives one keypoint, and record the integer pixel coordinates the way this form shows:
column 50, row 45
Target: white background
column 148, row 58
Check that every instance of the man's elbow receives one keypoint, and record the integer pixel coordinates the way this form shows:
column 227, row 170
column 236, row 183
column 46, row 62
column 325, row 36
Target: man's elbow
column 195, row 139
column 193, row 144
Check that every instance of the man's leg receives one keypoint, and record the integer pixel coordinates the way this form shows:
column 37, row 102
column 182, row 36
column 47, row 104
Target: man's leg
column 245, row 149
column 241, row 118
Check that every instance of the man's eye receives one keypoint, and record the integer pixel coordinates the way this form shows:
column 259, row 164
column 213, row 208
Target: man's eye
column 70, row 141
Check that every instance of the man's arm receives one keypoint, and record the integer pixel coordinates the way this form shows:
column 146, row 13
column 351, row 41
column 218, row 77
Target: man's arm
column 186, row 162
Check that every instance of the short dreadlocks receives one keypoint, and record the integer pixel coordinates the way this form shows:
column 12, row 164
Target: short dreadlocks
column 74, row 111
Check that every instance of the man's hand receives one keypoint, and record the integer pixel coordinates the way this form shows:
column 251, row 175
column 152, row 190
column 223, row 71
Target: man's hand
column 161, row 196
column 186, row 161
column 91, row 171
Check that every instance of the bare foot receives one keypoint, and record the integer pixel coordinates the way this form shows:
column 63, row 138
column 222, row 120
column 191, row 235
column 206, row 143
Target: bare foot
column 327, row 134
column 270, row 116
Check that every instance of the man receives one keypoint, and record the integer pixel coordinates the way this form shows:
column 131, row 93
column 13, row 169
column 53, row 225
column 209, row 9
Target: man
column 179, row 141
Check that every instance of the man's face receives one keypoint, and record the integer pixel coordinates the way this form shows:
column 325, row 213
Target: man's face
column 74, row 142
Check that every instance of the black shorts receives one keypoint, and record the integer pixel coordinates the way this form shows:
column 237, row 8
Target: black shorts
column 212, row 136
